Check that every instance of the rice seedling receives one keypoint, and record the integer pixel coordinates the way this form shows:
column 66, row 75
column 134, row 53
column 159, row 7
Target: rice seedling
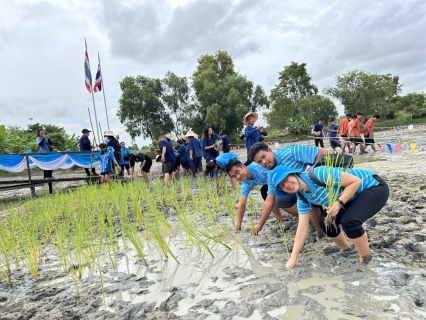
column 253, row 209
column 229, row 233
column 133, row 236
column 333, row 187
column 282, row 233
column 185, row 188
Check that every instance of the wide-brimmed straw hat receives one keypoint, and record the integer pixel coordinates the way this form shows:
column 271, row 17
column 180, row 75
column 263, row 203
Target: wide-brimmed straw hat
column 109, row 133
column 190, row 133
column 184, row 137
column 167, row 136
column 254, row 114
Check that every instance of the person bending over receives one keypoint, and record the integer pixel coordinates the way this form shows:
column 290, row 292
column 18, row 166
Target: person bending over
column 359, row 195
column 144, row 159
column 219, row 164
column 294, row 157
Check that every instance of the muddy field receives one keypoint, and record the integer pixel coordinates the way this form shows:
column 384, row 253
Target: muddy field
column 254, row 284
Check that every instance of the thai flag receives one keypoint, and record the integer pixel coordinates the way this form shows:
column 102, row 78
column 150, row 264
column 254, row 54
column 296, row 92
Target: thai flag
column 88, row 75
column 98, row 82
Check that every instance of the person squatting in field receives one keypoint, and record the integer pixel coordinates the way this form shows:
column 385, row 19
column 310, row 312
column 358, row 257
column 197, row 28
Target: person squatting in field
column 294, row 157
column 144, row 159
column 359, row 195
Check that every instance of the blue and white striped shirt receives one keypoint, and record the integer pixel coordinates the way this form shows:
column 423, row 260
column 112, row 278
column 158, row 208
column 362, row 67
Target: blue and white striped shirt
column 260, row 177
column 319, row 194
column 295, row 157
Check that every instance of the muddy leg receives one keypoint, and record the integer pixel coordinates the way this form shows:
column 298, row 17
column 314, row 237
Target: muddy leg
column 361, row 245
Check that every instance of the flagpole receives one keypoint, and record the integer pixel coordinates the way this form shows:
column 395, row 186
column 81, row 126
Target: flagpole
column 103, row 89
column 91, row 91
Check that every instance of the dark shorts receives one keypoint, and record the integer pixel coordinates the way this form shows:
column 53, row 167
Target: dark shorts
column 197, row 165
column 289, row 201
column 169, row 166
column 147, row 165
column 127, row 166
column 132, row 164
column 368, row 140
column 357, row 140
column 178, row 161
column 345, row 137
column 105, row 173
column 334, row 143
column 186, row 165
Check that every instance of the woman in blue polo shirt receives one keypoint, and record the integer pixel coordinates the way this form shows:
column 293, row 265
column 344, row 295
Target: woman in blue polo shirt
column 360, row 195
column 207, row 143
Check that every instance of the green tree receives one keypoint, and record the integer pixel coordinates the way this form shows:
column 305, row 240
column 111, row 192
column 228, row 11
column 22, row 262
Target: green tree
column 294, row 86
column 370, row 93
column 141, row 107
column 176, row 91
column 223, row 96
column 315, row 107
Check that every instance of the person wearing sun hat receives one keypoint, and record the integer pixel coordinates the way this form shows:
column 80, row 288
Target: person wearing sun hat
column 251, row 132
column 113, row 143
column 195, row 153
column 359, row 194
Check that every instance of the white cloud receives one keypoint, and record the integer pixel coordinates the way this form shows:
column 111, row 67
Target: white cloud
column 42, row 47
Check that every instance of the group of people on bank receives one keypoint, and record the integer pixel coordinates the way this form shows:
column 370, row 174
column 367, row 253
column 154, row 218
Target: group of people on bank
column 349, row 129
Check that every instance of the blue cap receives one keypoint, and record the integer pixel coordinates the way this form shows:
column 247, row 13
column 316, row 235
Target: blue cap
column 279, row 174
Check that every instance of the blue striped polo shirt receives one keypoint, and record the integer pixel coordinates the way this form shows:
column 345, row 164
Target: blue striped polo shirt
column 260, row 177
column 106, row 160
column 295, row 157
column 223, row 160
column 319, row 194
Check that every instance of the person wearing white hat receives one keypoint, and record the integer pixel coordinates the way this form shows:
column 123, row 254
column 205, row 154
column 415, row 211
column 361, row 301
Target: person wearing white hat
column 251, row 132
column 113, row 143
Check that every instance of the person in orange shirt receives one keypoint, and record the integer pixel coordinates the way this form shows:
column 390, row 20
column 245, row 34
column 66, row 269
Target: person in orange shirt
column 343, row 132
column 349, row 130
column 355, row 133
column 368, row 132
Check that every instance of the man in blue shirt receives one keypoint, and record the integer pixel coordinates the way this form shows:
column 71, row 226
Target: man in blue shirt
column 332, row 130
column 195, row 153
column 225, row 143
column 168, row 157
column 251, row 132
column 85, row 145
column 123, row 163
column 251, row 176
column 294, row 157
column 317, row 130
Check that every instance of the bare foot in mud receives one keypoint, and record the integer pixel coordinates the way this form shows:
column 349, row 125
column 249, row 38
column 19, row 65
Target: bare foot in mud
column 365, row 259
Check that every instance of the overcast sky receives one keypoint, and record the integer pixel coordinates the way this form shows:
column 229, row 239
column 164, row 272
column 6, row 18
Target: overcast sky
column 42, row 47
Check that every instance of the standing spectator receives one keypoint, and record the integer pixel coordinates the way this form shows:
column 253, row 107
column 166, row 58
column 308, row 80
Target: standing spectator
column 106, row 157
column 343, row 132
column 332, row 130
column 85, row 145
column 113, row 143
column 124, row 164
column 185, row 160
column 168, row 157
column 43, row 143
column 349, row 130
column 317, row 130
column 195, row 153
column 225, row 143
column 251, row 132
column 355, row 133
column 368, row 132
column 208, row 144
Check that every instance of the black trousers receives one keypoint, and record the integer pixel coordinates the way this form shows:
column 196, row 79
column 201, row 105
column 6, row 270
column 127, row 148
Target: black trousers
column 362, row 208
column 47, row 173
column 88, row 171
column 319, row 142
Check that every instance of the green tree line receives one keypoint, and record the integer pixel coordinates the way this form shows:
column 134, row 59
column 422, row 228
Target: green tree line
column 216, row 94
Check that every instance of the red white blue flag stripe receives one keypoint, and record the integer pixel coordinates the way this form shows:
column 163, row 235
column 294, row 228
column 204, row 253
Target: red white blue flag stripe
column 98, row 82
column 88, row 74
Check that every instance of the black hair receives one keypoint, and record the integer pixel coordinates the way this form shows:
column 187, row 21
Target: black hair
column 38, row 131
column 377, row 116
column 179, row 141
column 231, row 163
column 359, row 113
column 354, row 116
column 206, row 132
column 129, row 156
column 102, row 145
column 211, row 165
column 348, row 115
column 320, row 119
column 258, row 146
column 330, row 120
